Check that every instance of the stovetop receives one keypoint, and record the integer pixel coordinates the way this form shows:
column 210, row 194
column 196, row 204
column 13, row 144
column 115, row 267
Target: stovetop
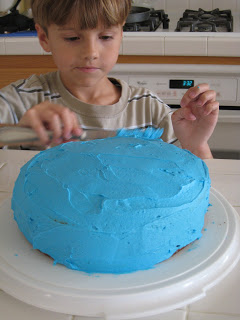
column 205, row 21
column 200, row 22
column 14, row 22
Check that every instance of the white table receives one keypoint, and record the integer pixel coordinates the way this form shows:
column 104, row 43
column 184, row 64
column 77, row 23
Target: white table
column 222, row 301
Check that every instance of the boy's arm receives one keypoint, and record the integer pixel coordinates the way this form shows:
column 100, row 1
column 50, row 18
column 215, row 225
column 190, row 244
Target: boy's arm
column 24, row 103
column 195, row 121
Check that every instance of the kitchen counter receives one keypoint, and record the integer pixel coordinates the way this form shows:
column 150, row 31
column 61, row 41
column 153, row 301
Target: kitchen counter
column 147, row 43
column 220, row 303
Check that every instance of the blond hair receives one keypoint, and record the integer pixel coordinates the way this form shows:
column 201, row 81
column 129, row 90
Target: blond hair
column 86, row 14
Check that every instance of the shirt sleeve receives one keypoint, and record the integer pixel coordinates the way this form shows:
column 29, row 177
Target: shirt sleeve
column 162, row 118
column 12, row 107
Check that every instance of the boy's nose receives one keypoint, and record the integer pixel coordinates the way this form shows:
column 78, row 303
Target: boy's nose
column 90, row 50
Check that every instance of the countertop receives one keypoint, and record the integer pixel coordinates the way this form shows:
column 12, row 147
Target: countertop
column 146, row 43
column 220, row 303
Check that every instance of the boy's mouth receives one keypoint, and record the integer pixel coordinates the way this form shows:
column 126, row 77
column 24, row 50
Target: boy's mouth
column 88, row 69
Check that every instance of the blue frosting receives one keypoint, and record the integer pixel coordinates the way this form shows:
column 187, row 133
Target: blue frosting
column 149, row 133
column 114, row 205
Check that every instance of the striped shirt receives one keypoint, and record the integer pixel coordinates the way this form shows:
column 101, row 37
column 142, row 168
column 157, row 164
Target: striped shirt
column 136, row 108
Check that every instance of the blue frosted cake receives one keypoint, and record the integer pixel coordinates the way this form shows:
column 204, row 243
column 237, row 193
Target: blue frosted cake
column 114, row 205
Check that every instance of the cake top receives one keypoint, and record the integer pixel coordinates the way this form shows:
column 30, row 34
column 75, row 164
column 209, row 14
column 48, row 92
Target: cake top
column 116, row 174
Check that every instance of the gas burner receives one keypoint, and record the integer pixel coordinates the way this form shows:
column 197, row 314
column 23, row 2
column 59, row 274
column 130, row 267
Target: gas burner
column 145, row 19
column 15, row 22
column 206, row 21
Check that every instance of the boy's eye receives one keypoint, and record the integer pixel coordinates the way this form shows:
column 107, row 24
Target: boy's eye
column 106, row 37
column 72, row 38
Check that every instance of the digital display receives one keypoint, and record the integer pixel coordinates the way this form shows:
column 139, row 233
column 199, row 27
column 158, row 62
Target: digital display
column 181, row 84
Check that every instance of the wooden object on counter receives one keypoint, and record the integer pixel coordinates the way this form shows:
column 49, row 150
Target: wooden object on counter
column 15, row 67
column 180, row 60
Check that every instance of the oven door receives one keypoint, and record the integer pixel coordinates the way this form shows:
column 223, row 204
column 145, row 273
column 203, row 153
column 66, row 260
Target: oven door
column 170, row 82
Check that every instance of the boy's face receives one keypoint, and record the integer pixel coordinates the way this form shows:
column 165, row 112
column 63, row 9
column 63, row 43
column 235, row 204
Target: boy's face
column 83, row 57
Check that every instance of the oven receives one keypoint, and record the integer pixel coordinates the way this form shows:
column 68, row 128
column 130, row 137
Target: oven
column 170, row 81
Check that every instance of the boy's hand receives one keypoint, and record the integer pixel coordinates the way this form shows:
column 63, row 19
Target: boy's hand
column 48, row 116
column 195, row 121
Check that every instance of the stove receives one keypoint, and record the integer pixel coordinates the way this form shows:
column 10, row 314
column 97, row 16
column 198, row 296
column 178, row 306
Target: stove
column 189, row 29
column 206, row 21
column 171, row 81
column 143, row 19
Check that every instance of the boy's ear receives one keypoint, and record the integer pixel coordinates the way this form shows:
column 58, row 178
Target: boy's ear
column 43, row 38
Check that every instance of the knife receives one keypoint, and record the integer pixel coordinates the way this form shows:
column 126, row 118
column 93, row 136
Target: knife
column 12, row 135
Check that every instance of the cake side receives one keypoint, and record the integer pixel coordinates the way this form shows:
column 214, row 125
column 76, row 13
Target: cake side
column 114, row 205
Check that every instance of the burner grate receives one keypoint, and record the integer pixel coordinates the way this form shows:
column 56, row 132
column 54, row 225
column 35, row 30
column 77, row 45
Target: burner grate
column 206, row 21
column 154, row 21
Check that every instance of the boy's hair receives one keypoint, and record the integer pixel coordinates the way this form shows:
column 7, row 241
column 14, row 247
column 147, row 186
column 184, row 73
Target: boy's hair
column 86, row 14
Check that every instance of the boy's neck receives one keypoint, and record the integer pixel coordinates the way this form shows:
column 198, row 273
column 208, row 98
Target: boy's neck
column 105, row 94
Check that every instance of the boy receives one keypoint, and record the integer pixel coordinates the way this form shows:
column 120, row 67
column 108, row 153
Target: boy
column 84, row 37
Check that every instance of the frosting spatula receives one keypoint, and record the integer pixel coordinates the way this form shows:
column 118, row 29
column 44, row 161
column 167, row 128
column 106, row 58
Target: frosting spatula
column 15, row 135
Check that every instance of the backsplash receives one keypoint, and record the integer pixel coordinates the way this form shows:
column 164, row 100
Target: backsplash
column 176, row 5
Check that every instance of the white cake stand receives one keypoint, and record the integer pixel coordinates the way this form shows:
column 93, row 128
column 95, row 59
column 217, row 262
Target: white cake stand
column 31, row 277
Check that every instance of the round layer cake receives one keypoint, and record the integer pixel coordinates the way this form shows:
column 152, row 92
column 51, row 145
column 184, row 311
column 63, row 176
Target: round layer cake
column 114, row 205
